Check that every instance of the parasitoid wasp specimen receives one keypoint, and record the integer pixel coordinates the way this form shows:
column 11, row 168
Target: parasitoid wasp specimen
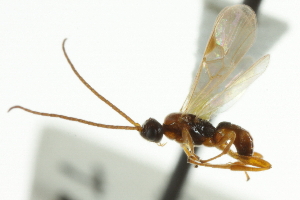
column 221, row 77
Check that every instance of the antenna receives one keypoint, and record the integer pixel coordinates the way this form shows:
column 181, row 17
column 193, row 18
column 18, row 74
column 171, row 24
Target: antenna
column 136, row 126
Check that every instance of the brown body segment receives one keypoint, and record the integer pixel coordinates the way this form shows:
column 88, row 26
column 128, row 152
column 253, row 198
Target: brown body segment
column 243, row 140
column 199, row 129
column 190, row 131
column 203, row 132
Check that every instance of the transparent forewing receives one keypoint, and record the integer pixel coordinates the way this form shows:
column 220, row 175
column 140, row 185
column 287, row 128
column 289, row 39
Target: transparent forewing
column 232, row 36
column 236, row 86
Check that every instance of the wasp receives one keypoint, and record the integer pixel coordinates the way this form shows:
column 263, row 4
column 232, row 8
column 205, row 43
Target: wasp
column 222, row 76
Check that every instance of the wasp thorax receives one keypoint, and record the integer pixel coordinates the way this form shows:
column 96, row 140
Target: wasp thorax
column 152, row 130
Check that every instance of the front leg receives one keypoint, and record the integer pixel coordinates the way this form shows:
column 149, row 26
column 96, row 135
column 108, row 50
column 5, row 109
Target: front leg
column 188, row 144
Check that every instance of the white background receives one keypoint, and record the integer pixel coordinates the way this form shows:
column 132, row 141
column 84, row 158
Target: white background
column 141, row 56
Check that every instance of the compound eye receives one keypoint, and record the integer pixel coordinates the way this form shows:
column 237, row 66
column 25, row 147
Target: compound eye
column 152, row 130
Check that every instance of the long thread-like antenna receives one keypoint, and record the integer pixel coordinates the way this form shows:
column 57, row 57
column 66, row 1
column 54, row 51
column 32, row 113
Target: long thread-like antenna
column 94, row 91
column 78, row 120
column 137, row 126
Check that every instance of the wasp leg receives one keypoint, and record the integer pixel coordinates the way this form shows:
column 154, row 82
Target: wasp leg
column 255, row 163
column 260, row 165
column 258, row 155
column 255, row 160
column 247, row 176
column 188, row 145
column 228, row 135
column 161, row 144
column 246, row 173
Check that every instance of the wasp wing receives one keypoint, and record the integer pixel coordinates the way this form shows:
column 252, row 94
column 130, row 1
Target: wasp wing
column 235, row 87
column 232, row 36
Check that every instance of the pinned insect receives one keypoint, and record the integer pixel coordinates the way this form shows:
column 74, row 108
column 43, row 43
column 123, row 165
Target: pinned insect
column 221, row 77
